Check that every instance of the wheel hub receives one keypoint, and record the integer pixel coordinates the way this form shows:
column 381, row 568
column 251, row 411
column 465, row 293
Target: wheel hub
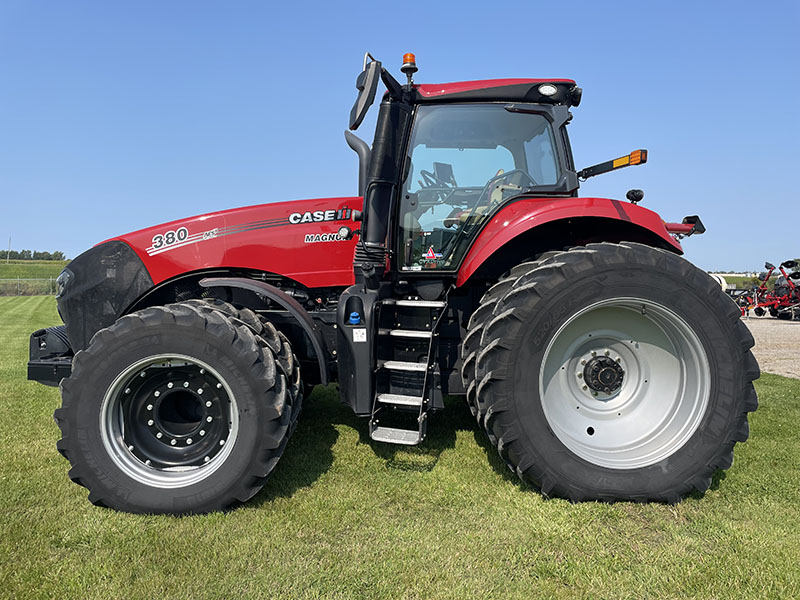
column 169, row 420
column 602, row 374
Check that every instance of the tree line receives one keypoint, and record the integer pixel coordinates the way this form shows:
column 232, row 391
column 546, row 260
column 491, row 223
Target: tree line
column 31, row 255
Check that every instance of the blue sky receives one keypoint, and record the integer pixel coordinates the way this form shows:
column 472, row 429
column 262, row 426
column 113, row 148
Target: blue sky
column 119, row 115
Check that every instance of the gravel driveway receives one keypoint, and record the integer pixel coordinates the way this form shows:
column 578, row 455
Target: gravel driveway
column 777, row 346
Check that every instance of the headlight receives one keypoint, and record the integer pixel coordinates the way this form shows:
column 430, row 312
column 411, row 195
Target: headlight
column 547, row 89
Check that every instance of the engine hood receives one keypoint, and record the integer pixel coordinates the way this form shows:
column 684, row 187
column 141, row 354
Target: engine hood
column 296, row 239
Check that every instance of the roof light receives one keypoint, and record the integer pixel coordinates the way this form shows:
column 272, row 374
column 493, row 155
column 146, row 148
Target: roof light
column 548, row 89
column 409, row 67
column 409, row 64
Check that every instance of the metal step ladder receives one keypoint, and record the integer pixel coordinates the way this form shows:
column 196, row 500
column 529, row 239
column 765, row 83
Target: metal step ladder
column 414, row 399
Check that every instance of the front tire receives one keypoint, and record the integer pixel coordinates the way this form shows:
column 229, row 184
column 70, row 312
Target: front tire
column 616, row 372
column 174, row 410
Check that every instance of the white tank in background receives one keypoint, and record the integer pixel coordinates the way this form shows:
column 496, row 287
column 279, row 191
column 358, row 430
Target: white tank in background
column 720, row 280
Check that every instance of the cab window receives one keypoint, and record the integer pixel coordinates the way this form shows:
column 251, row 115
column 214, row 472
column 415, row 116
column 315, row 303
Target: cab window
column 464, row 162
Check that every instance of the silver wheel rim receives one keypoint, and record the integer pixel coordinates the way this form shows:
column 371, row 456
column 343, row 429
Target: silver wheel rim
column 116, row 422
column 663, row 393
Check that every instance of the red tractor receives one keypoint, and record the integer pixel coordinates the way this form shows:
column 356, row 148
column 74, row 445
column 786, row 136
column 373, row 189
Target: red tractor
column 783, row 300
column 601, row 364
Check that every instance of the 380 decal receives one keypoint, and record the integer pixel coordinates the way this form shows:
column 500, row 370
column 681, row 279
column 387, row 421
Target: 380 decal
column 170, row 237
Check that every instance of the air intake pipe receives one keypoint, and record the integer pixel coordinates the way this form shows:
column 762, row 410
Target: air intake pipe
column 362, row 149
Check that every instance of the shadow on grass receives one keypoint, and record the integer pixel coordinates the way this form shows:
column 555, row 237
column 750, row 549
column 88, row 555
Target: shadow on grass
column 309, row 453
column 441, row 435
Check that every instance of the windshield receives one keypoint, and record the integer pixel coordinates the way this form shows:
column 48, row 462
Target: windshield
column 465, row 161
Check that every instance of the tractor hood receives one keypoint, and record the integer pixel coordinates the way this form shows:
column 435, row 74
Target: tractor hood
column 298, row 240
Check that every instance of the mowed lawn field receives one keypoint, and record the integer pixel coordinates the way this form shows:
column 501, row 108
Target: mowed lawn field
column 343, row 517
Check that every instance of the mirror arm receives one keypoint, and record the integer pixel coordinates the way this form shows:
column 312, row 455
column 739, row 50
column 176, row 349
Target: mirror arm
column 394, row 87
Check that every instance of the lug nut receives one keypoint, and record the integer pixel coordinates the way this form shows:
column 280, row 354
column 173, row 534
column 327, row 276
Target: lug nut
column 580, row 375
column 188, row 441
column 219, row 386
column 607, row 352
column 143, row 374
column 149, row 407
column 170, row 385
column 208, row 403
column 185, row 384
column 130, row 448
column 206, row 459
column 202, row 432
column 586, row 387
column 583, row 362
column 594, row 353
column 202, row 371
column 159, row 435
column 156, row 393
column 222, row 442
column 173, row 442
column 209, row 419
column 127, row 390
column 148, row 463
column 200, row 391
column 150, row 422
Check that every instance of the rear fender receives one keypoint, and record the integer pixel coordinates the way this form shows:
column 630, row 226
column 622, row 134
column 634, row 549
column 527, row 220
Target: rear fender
column 528, row 214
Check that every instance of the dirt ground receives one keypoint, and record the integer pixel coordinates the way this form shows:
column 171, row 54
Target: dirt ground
column 777, row 346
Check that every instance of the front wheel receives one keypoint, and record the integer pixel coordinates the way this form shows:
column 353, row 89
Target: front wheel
column 616, row 372
column 175, row 410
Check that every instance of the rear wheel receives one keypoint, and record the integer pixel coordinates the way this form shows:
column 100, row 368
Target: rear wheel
column 472, row 341
column 174, row 410
column 616, row 372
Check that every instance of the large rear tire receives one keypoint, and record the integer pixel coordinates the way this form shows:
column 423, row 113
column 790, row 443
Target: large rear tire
column 174, row 410
column 472, row 341
column 616, row 372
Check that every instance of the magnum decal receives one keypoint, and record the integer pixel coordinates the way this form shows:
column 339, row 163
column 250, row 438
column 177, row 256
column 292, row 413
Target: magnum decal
column 322, row 237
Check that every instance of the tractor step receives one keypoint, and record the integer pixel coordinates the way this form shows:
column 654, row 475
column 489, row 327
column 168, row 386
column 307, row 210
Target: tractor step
column 392, row 435
column 400, row 399
column 404, row 388
column 398, row 365
column 405, row 333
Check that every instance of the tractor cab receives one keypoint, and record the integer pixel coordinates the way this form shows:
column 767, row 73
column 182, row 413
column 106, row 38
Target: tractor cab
column 446, row 157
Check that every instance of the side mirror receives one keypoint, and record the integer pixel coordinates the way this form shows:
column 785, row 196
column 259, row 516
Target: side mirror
column 768, row 266
column 366, row 84
column 789, row 264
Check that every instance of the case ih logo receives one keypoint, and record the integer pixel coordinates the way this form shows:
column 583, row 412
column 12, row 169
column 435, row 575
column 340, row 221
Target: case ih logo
column 318, row 216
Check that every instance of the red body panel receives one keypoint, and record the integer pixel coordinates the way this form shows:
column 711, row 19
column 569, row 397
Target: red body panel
column 299, row 239
column 520, row 216
column 430, row 90
column 266, row 237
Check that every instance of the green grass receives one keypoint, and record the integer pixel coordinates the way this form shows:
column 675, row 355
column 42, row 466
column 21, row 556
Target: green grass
column 345, row 518
column 31, row 269
column 741, row 282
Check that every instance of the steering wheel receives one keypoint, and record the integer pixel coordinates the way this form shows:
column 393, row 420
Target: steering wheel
column 431, row 180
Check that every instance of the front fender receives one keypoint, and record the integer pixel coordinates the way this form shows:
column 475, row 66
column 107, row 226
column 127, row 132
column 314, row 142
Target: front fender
column 527, row 214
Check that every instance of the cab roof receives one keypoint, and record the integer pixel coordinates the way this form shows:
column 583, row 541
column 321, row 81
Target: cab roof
column 512, row 90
